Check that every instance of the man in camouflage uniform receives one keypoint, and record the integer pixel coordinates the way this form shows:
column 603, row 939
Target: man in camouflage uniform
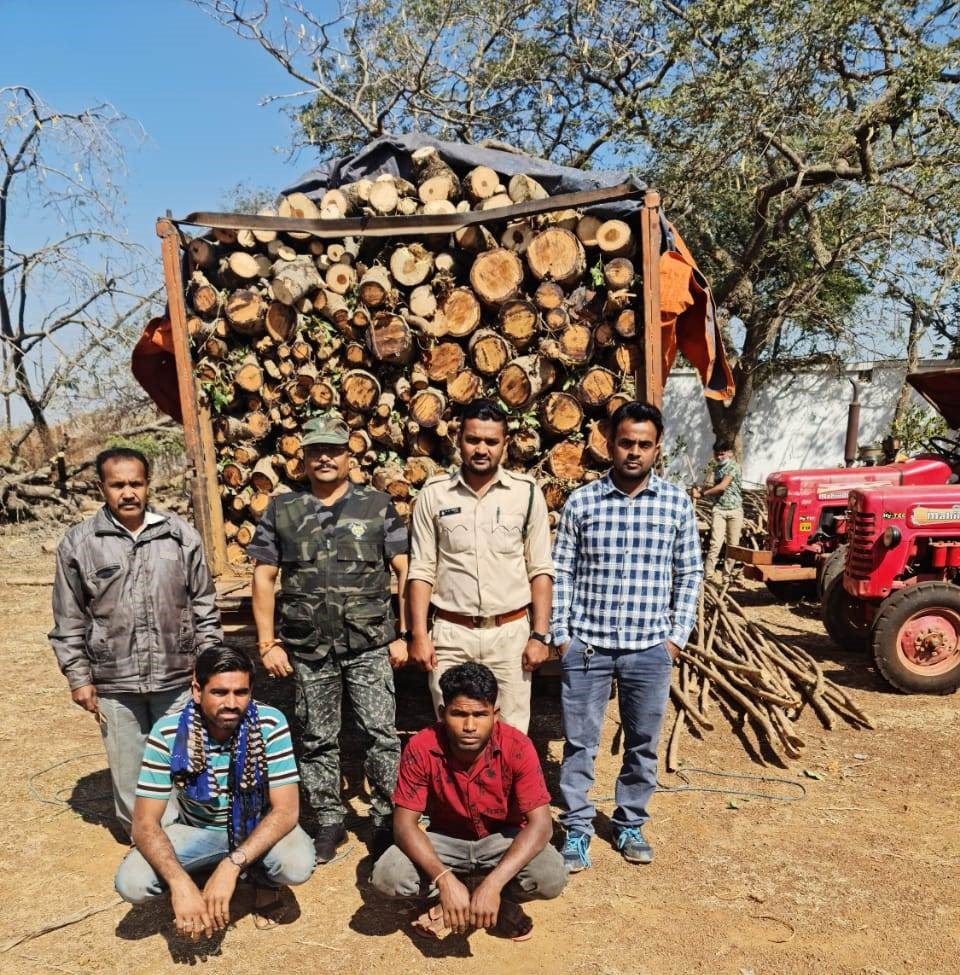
column 332, row 547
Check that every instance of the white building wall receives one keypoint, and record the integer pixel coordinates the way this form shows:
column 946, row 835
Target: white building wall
column 796, row 421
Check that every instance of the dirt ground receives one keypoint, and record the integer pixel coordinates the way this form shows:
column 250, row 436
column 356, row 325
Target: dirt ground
column 859, row 875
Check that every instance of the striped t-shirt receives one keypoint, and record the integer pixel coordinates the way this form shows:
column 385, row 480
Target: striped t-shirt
column 155, row 782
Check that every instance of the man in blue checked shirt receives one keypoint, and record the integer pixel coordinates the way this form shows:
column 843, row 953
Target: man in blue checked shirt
column 628, row 576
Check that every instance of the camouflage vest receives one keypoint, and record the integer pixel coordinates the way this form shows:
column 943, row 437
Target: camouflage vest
column 334, row 584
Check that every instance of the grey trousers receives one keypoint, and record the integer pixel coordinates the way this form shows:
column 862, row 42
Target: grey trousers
column 543, row 878
column 128, row 719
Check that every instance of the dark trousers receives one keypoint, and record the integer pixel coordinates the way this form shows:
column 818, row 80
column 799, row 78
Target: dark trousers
column 643, row 682
column 368, row 681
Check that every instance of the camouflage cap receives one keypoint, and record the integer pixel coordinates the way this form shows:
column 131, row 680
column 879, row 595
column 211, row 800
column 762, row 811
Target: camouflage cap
column 328, row 429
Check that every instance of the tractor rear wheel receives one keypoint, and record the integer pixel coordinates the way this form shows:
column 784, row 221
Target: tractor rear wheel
column 832, row 565
column 916, row 638
column 843, row 616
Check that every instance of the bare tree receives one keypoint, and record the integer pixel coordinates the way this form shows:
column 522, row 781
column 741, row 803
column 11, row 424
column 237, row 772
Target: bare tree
column 72, row 289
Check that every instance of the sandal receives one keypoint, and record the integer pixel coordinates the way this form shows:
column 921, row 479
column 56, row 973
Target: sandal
column 513, row 922
column 430, row 924
column 270, row 914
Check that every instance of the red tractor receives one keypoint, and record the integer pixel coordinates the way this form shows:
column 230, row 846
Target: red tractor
column 900, row 594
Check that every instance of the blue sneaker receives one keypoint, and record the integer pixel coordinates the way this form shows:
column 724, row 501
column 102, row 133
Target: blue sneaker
column 575, row 852
column 632, row 846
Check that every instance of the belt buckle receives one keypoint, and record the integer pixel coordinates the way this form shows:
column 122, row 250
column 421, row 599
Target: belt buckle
column 485, row 622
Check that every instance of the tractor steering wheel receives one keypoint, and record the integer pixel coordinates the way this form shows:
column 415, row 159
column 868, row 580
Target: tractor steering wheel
column 944, row 447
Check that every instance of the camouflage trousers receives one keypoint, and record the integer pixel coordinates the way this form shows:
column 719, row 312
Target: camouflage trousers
column 368, row 681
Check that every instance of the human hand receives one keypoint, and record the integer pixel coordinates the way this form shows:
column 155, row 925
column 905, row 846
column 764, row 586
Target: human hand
column 276, row 662
column 86, row 697
column 190, row 913
column 455, row 901
column 534, row 654
column 397, row 653
column 217, row 892
column 562, row 648
column 423, row 653
column 485, row 905
column 672, row 649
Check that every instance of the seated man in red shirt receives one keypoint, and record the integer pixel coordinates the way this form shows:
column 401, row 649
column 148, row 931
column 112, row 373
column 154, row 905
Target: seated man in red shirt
column 480, row 783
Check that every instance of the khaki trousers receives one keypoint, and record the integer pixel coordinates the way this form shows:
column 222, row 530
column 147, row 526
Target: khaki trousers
column 501, row 649
column 726, row 527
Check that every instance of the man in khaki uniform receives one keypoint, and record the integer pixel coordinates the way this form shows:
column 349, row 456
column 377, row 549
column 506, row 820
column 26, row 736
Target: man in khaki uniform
column 480, row 556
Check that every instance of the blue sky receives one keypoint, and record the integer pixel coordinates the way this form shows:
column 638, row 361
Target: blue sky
column 193, row 85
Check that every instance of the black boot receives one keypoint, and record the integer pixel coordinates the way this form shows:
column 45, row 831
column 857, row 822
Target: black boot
column 327, row 840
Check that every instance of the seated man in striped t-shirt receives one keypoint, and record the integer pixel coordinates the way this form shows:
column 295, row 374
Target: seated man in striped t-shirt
column 231, row 760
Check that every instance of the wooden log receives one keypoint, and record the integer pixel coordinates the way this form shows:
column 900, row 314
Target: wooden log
column 499, row 201
column 204, row 297
column 565, row 461
column 248, row 375
column 556, row 319
column 480, row 183
column 324, row 393
column 428, row 165
column 234, row 475
column 442, row 187
column 518, row 322
column 387, row 432
column 298, row 205
column 524, row 445
column 390, row 340
column 615, row 239
column 245, row 533
column 293, row 280
column 616, row 401
column 597, row 446
column 280, row 321
column 246, row 454
column 557, row 255
column 619, row 273
column 585, row 305
column 243, row 266
column 496, row 276
column 375, row 287
column 444, row 361
column 259, row 503
column 411, row 264
column 419, row 469
column 572, row 346
column 290, row 445
column 360, row 442
column 517, row 236
column 604, row 335
column 235, row 553
column 360, row 390
column 340, row 278
column 264, row 477
column 383, row 197
column 355, row 354
column 391, row 480
column 280, row 250
column 560, row 414
column 204, row 254
column 215, row 348
column 522, row 188
column 225, row 236
column 555, row 493
column 596, row 386
column 461, row 312
column 265, row 236
column 587, row 227
column 626, row 358
column 464, row 387
column 474, row 238
column 244, row 310
column 489, row 352
column 422, row 302
column 564, row 219
column 334, row 205
column 549, row 296
column 524, row 379
column 427, row 407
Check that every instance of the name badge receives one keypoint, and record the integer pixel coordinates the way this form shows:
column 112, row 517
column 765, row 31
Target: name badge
column 449, row 511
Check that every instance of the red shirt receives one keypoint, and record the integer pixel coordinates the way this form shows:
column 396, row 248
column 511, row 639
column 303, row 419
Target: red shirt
column 497, row 791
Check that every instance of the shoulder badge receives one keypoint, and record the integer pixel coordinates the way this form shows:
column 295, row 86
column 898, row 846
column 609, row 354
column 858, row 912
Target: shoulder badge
column 356, row 529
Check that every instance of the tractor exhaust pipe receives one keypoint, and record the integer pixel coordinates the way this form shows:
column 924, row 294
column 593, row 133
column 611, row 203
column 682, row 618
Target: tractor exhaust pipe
column 853, row 427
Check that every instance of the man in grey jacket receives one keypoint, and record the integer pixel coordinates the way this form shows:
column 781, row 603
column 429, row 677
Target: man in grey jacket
column 133, row 603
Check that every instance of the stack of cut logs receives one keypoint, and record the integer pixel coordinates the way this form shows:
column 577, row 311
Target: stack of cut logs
column 542, row 313
column 757, row 680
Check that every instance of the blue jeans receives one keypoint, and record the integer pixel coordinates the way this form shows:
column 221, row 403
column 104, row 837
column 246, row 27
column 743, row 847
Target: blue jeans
column 643, row 682
column 289, row 862
column 128, row 719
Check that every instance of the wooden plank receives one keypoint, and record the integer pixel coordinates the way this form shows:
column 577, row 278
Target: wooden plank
column 650, row 381
column 750, row 556
column 200, row 486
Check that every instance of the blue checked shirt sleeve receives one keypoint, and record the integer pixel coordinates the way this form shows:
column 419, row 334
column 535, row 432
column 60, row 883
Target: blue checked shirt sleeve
column 687, row 576
column 564, row 565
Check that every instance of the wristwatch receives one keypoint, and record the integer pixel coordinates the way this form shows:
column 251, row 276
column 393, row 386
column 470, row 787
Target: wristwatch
column 237, row 857
column 406, row 635
column 540, row 637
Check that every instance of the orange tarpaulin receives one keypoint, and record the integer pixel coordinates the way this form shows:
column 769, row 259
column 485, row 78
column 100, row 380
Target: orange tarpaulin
column 688, row 320
column 154, row 366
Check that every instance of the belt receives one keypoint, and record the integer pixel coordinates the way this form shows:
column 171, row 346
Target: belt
column 481, row 622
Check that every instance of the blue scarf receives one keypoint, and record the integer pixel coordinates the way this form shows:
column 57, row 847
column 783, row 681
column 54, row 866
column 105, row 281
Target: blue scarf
column 247, row 779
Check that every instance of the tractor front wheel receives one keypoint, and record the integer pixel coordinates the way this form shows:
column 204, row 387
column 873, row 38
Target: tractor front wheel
column 916, row 638
column 843, row 616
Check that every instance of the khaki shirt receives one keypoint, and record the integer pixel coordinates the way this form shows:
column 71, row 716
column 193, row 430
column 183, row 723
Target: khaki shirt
column 472, row 550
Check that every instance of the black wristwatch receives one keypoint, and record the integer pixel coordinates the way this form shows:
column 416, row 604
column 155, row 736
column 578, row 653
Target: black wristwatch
column 406, row 635
column 543, row 638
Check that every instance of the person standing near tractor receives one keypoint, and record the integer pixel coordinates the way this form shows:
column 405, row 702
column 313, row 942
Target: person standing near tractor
column 727, row 522
column 332, row 547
